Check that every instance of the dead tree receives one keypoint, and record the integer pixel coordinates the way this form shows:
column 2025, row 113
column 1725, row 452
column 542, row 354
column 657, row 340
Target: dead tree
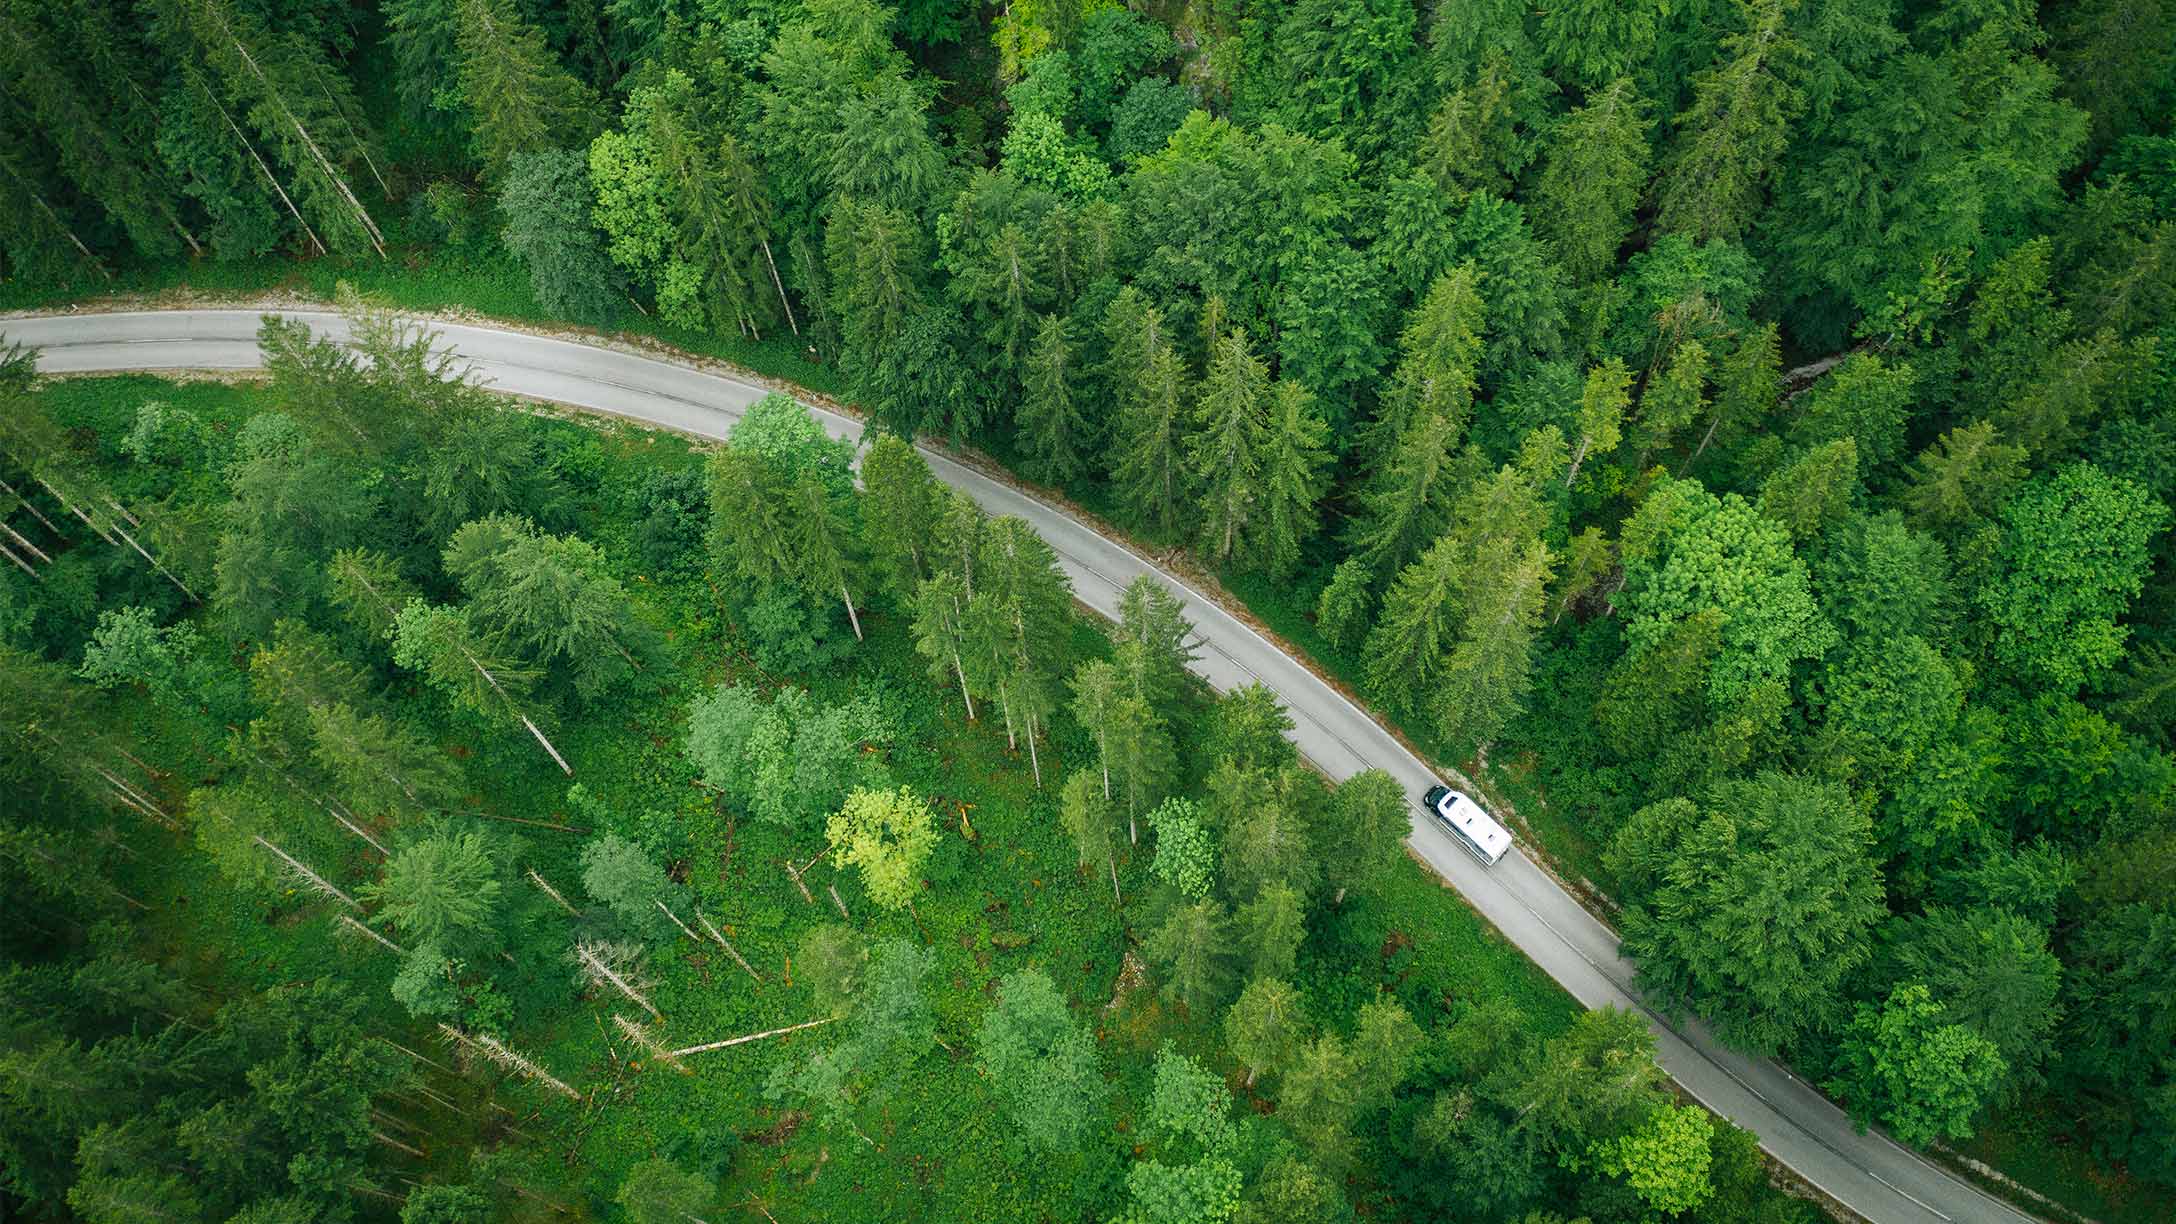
column 491, row 1048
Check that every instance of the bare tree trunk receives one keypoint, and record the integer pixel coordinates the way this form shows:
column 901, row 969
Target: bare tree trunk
column 320, row 883
column 491, row 1048
column 493, row 681
column 959, row 669
column 727, row 944
column 1577, row 459
column 184, row 587
column 1113, row 861
column 36, row 513
column 389, row 1140
column 388, row 944
column 20, row 564
column 641, row 1037
column 324, row 164
column 834, row 890
column 1035, row 761
column 676, row 922
column 1103, row 757
column 418, row 1057
column 601, row 971
column 794, row 874
column 25, row 544
column 264, row 169
column 551, row 892
column 852, row 616
column 1713, row 422
column 734, row 1041
column 765, row 243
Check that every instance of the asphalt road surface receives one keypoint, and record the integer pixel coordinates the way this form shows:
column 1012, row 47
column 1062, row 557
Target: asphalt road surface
column 1868, row 1173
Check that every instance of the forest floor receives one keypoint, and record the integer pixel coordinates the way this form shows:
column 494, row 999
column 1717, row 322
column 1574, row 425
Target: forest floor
column 1004, row 892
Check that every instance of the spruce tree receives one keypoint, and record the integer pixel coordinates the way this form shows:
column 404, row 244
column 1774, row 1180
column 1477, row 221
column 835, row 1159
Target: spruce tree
column 1487, row 677
column 1591, row 180
column 1225, row 443
column 1148, row 385
column 1731, row 139
column 1052, row 428
column 900, row 504
column 1407, row 503
column 519, row 97
column 1294, row 461
column 1601, row 413
column 1439, row 356
column 1405, row 652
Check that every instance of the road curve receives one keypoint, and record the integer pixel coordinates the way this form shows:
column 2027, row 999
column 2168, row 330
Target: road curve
column 1868, row 1173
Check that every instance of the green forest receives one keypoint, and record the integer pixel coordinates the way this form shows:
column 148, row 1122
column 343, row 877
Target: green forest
column 1739, row 434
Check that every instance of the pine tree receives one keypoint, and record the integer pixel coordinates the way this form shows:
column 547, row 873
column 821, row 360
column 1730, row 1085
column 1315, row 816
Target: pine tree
column 1295, row 457
column 1963, row 477
column 1486, row 679
column 1053, row 430
column 1601, row 413
column 1368, row 822
column 1266, row 1027
column 1407, row 503
column 1346, row 603
column 1148, row 385
column 873, row 254
column 1438, row 363
column 717, row 207
column 519, row 97
column 1732, row 137
column 900, row 504
column 1225, row 443
column 1591, row 181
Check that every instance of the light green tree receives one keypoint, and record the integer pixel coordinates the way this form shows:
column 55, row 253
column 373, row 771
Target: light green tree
column 1666, row 1161
column 1901, row 1063
column 888, row 835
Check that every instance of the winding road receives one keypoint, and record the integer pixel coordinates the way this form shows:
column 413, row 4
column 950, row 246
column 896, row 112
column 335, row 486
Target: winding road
column 1868, row 1173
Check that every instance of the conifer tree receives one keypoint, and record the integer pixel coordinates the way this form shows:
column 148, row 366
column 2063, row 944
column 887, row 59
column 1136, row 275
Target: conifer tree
column 1295, row 456
column 520, row 99
column 1674, row 399
column 302, row 109
column 1601, row 413
column 1486, row 679
column 1269, row 930
column 1154, row 642
column 1407, row 503
column 823, row 544
column 1439, row 357
column 1748, row 385
column 900, row 504
column 1591, row 180
column 1405, row 652
column 1097, row 691
column 1732, row 137
column 1192, row 949
column 1265, row 1027
column 1148, row 384
column 940, row 632
column 1053, row 430
column 1091, row 820
column 1225, row 443
column 1368, row 821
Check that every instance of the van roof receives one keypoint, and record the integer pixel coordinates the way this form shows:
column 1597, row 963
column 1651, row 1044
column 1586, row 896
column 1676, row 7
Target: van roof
column 1475, row 824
